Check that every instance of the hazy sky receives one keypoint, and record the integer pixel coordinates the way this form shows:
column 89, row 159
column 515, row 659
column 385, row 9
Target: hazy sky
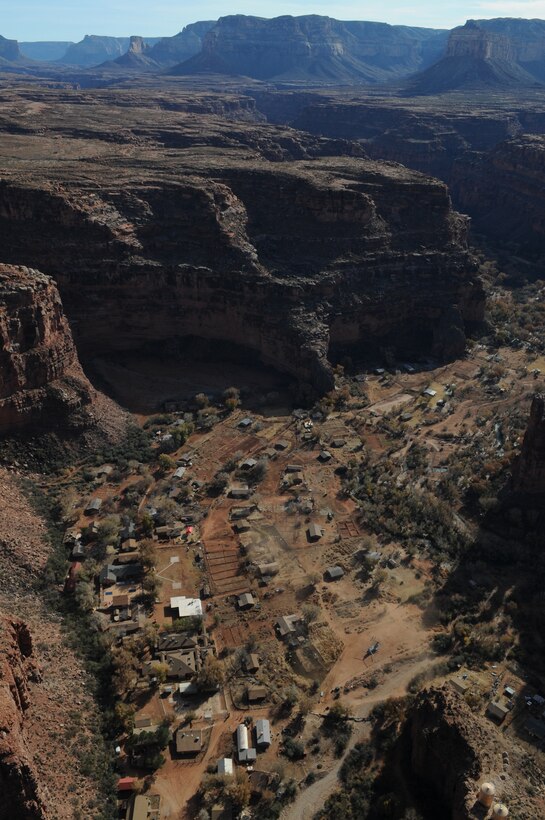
column 71, row 19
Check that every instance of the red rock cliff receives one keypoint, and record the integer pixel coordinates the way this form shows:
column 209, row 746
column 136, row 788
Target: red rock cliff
column 20, row 790
column 41, row 382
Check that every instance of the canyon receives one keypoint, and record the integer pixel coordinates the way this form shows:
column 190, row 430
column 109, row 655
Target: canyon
column 277, row 242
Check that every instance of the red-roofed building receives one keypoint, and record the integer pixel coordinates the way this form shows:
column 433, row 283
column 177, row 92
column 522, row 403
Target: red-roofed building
column 126, row 784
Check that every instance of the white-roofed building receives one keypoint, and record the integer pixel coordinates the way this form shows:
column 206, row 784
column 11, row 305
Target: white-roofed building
column 183, row 607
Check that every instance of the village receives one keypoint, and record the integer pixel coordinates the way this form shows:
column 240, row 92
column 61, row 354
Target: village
column 254, row 616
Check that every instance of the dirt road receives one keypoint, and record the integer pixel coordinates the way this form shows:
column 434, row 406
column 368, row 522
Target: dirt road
column 311, row 800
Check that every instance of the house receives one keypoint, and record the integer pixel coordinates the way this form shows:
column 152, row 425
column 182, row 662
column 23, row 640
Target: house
column 324, row 456
column 179, row 473
column 163, row 533
column 225, row 766
column 281, row 445
column 183, row 607
column 120, row 574
column 143, row 807
column 172, row 642
column 245, row 601
column 245, row 423
column 294, row 468
column 314, row 532
column 269, row 453
column 509, row 691
column 459, row 685
column 240, row 492
column 256, row 693
column 262, row 733
column 242, row 739
column 78, row 551
column 535, row 728
column 497, row 711
column 181, row 665
column 286, row 625
column 241, row 526
column 429, row 392
column 271, row 568
column 334, row 573
column 189, row 742
column 126, row 784
column 104, row 471
column 252, row 663
column 248, row 464
column 93, row 506
column 338, row 442
column 129, row 545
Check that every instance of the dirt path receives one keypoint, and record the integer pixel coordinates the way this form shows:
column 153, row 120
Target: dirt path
column 312, row 799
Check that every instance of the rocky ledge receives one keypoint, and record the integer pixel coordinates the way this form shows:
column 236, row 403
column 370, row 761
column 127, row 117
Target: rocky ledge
column 41, row 382
column 21, row 792
column 529, row 469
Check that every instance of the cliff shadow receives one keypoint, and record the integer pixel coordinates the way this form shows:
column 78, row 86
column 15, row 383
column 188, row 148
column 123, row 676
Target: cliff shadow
column 156, row 375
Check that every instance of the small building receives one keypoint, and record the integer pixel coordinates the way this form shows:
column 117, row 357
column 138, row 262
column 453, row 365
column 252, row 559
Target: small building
column 174, row 641
column 429, row 392
column 78, row 551
column 93, row 506
column 256, row 693
column 242, row 739
column 241, row 526
column 338, row 443
column 225, row 766
column 268, row 453
column 286, row 625
column 497, row 711
column 252, row 663
column 262, row 733
column 294, row 468
column 535, row 728
column 269, row 569
column 126, row 784
column 120, row 574
column 240, row 492
column 334, row 573
column 129, row 545
column 314, row 532
column 143, row 807
column 324, row 456
column 248, row 464
column 245, row 423
column 189, row 742
column 183, row 607
column 248, row 756
column 245, row 601
column 104, row 471
column 281, row 445
column 509, row 691
column 179, row 473
column 459, row 685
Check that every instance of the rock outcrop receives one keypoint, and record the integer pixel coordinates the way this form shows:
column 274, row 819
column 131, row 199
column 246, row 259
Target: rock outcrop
column 174, row 50
column 21, row 791
column 314, row 49
column 41, row 382
column 475, row 58
column 452, row 750
column 529, row 470
column 504, row 191
column 9, row 51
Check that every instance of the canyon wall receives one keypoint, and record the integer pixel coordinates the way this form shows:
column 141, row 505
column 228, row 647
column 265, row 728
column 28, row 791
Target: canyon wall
column 21, row 792
column 529, row 469
column 41, row 382
column 284, row 259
